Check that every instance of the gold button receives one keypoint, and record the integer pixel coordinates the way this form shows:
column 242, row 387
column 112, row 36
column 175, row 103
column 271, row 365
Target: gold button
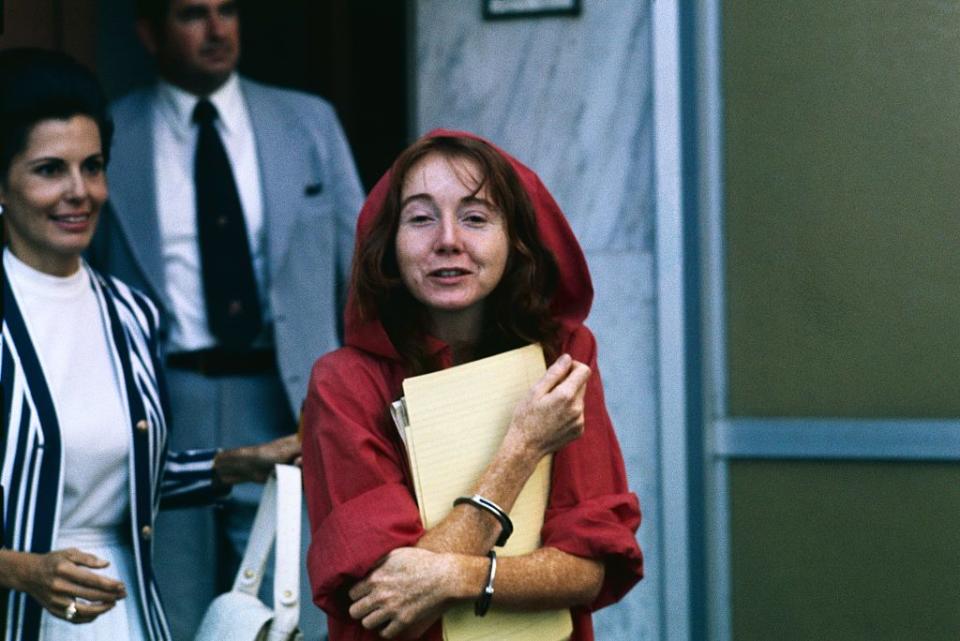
column 143, row 425
column 146, row 532
column 249, row 574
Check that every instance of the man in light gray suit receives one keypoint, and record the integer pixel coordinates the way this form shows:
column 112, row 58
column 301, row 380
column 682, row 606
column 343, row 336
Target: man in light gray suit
column 297, row 195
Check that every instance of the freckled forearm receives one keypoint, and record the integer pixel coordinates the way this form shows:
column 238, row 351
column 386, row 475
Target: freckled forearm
column 546, row 579
column 468, row 576
column 468, row 530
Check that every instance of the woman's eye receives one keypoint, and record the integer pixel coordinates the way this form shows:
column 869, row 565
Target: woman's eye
column 418, row 218
column 475, row 219
column 48, row 169
column 94, row 166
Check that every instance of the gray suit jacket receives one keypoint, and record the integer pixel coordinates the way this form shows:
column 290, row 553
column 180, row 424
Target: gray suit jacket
column 311, row 197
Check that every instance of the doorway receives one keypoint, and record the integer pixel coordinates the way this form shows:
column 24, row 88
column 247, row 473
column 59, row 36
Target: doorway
column 351, row 52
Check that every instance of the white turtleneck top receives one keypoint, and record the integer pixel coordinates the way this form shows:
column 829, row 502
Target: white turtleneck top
column 64, row 321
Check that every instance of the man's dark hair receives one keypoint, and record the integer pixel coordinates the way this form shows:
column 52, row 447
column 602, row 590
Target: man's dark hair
column 153, row 11
column 37, row 85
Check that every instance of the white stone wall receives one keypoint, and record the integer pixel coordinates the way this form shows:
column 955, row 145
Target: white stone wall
column 572, row 98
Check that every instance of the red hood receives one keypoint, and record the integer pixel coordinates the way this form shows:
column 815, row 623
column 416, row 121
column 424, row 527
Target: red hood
column 574, row 295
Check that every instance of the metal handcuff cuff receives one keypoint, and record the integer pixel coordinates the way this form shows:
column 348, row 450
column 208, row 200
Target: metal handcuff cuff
column 482, row 603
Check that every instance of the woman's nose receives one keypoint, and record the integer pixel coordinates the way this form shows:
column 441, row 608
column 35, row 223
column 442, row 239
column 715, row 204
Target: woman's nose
column 78, row 188
column 448, row 236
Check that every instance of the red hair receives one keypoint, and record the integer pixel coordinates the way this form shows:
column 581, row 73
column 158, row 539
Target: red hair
column 517, row 311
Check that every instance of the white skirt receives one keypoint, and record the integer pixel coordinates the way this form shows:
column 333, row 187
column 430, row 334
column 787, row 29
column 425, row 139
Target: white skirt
column 124, row 622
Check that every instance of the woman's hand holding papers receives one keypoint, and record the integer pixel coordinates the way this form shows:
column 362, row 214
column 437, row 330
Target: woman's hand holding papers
column 550, row 417
column 552, row 413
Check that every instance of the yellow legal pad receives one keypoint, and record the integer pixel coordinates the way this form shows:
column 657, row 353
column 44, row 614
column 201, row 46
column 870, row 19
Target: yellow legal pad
column 454, row 422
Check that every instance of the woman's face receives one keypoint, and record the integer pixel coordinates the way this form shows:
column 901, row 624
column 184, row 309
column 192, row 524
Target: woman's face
column 452, row 245
column 53, row 192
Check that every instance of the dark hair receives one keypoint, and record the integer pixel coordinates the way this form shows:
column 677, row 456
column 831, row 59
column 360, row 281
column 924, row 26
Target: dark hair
column 153, row 11
column 518, row 309
column 37, row 85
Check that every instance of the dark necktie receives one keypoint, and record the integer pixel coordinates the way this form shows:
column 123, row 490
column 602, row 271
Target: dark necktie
column 229, row 286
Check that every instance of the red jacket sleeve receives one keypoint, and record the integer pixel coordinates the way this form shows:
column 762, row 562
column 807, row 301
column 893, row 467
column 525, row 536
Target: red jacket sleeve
column 592, row 513
column 354, row 477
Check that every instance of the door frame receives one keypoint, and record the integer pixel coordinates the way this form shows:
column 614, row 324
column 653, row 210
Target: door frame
column 699, row 438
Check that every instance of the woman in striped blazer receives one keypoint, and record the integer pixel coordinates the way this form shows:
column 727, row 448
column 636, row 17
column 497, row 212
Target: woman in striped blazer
column 85, row 466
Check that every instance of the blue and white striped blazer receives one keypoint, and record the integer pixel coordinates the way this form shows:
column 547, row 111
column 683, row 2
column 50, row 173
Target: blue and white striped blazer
column 32, row 463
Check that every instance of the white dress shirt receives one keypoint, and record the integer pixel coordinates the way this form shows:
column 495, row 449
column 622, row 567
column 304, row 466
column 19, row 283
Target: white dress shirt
column 175, row 142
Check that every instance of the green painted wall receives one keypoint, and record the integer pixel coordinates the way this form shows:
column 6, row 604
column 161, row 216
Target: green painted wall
column 845, row 551
column 842, row 241
column 842, row 171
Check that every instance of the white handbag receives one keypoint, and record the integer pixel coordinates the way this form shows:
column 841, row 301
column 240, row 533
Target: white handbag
column 238, row 615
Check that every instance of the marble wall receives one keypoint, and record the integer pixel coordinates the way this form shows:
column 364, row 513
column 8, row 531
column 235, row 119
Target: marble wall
column 572, row 98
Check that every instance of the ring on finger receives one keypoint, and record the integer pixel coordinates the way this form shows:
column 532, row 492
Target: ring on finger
column 71, row 610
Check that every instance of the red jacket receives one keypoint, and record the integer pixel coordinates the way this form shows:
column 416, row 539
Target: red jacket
column 359, row 492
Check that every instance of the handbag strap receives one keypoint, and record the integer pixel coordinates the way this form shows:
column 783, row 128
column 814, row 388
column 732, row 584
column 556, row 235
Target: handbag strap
column 286, row 582
column 278, row 518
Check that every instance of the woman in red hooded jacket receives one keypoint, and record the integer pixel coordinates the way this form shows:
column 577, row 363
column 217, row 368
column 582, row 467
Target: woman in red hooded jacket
column 462, row 253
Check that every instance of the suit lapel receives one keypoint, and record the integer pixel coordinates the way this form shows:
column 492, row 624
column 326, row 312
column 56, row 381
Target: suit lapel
column 276, row 147
column 133, row 191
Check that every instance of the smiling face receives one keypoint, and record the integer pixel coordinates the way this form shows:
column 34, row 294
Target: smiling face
column 452, row 244
column 53, row 192
column 197, row 44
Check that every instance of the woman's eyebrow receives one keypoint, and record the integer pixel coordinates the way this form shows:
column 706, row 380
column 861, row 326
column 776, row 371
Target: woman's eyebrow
column 43, row 160
column 477, row 200
column 429, row 200
column 426, row 198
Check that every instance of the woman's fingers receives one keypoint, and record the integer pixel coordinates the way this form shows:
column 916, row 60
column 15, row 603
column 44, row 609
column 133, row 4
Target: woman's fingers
column 89, row 585
column 362, row 607
column 552, row 415
column 85, row 612
column 565, row 401
column 284, row 449
column 62, row 583
column 574, row 383
column 253, row 463
column 374, row 619
column 78, row 590
column 554, row 374
column 391, row 630
column 359, row 590
column 84, row 558
column 71, row 580
column 406, row 589
column 562, row 380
